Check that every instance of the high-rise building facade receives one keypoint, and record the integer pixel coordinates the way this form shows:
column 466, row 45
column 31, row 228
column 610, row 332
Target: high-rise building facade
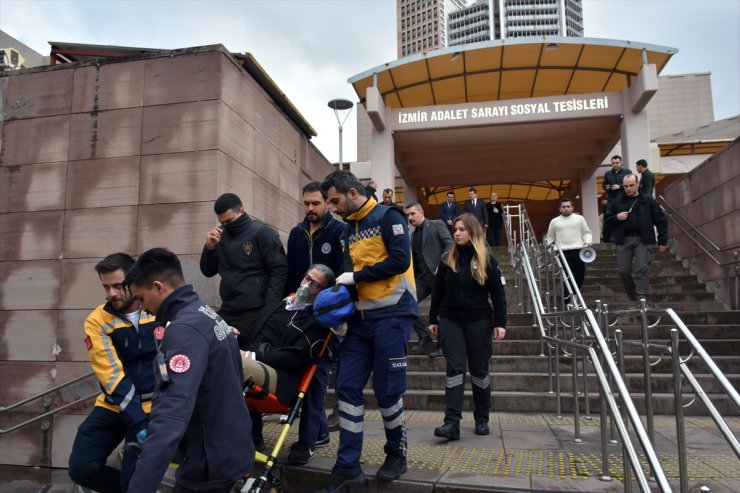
column 485, row 20
column 421, row 24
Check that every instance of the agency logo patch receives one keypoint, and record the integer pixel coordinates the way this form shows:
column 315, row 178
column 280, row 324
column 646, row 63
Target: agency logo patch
column 326, row 248
column 248, row 247
column 179, row 363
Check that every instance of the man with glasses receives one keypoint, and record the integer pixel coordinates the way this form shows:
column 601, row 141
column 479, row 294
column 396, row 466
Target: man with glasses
column 316, row 239
column 288, row 339
column 250, row 259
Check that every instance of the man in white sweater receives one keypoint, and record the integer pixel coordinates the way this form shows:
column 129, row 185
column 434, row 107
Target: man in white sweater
column 572, row 233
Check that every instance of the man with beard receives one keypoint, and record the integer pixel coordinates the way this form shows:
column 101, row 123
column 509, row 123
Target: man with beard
column 250, row 259
column 572, row 233
column 316, row 240
column 120, row 342
column 378, row 263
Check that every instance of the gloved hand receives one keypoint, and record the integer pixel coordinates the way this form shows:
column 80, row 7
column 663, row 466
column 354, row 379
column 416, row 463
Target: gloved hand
column 347, row 278
column 141, row 436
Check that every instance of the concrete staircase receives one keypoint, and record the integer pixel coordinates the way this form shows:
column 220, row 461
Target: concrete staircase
column 519, row 374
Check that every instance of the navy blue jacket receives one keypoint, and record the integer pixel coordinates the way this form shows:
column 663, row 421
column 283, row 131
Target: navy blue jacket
column 612, row 178
column 448, row 212
column 305, row 249
column 202, row 409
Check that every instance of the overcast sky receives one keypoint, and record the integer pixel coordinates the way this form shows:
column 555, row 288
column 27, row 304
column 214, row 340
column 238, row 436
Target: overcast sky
column 311, row 47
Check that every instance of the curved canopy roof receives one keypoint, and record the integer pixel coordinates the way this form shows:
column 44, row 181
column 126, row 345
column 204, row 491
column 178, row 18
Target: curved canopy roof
column 510, row 69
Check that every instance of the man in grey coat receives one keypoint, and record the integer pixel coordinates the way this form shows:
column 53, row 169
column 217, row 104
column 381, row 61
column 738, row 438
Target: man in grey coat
column 429, row 241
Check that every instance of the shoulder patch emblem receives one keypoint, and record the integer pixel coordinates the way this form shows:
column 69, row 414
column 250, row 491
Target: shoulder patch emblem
column 247, row 246
column 397, row 229
column 179, row 363
column 326, row 248
column 88, row 343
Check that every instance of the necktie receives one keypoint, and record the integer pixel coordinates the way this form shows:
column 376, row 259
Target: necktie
column 473, row 203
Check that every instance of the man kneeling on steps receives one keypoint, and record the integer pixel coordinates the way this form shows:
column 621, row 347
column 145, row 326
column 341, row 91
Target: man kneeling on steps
column 288, row 338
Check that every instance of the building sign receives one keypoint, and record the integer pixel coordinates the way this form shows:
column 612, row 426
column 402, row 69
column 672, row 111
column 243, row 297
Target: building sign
column 494, row 112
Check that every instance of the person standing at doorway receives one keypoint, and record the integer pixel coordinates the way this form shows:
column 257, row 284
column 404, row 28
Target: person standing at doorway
column 613, row 178
column 448, row 210
column 477, row 208
column 495, row 220
column 647, row 178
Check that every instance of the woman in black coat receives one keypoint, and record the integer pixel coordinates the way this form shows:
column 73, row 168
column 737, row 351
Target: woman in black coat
column 468, row 281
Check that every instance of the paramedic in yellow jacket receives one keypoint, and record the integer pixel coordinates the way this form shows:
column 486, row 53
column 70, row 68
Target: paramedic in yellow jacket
column 119, row 337
column 378, row 263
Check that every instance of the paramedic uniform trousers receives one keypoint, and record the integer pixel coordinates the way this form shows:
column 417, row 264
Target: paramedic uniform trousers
column 377, row 347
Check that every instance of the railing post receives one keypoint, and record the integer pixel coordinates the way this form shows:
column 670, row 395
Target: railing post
column 678, row 405
column 647, row 371
column 618, row 336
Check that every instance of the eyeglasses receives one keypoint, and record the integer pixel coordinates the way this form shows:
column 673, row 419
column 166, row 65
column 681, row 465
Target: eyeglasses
column 313, row 282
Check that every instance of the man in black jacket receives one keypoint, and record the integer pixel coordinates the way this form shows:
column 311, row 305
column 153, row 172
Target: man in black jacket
column 633, row 219
column 613, row 178
column 198, row 404
column 288, row 339
column 250, row 259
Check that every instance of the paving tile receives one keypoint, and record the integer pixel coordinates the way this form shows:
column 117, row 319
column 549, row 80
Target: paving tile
column 106, row 182
column 181, row 228
column 25, row 135
column 31, row 235
column 179, row 177
column 29, row 285
column 99, row 232
column 184, row 78
column 32, row 187
column 38, row 94
column 103, row 134
column 180, row 127
column 28, row 335
column 108, row 86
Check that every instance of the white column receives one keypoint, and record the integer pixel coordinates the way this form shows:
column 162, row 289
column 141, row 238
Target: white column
column 634, row 127
column 589, row 201
column 382, row 156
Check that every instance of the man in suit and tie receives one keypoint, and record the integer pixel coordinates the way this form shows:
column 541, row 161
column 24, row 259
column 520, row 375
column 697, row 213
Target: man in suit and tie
column 477, row 208
column 429, row 241
column 448, row 210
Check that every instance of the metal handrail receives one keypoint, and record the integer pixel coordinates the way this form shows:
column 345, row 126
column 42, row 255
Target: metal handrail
column 694, row 229
column 602, row 351
column 44, row 394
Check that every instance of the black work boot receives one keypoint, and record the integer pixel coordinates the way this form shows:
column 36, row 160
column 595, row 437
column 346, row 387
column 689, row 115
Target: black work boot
column 423, row 343
column 392, row 468
column 342, row 477
column 450, row 431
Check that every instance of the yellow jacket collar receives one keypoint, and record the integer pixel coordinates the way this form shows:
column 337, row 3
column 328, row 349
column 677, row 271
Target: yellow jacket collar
column 364, row 210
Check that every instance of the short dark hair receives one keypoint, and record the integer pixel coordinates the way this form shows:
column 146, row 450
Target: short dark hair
column 227, row 201
column 342, row 181
column 565, row 199
column 616, row 156
column 415, row 205
column 114, row 262
column 388, row 190
column 451, row 193
column 641, row 162
column 314, row 186
column 473, row 189
column 157, row 264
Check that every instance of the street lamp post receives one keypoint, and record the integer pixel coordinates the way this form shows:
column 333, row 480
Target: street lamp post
column 341, row 105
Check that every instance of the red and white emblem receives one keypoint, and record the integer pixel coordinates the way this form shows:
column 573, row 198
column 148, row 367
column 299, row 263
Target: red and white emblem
column 179, row 363
column 159, row 333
